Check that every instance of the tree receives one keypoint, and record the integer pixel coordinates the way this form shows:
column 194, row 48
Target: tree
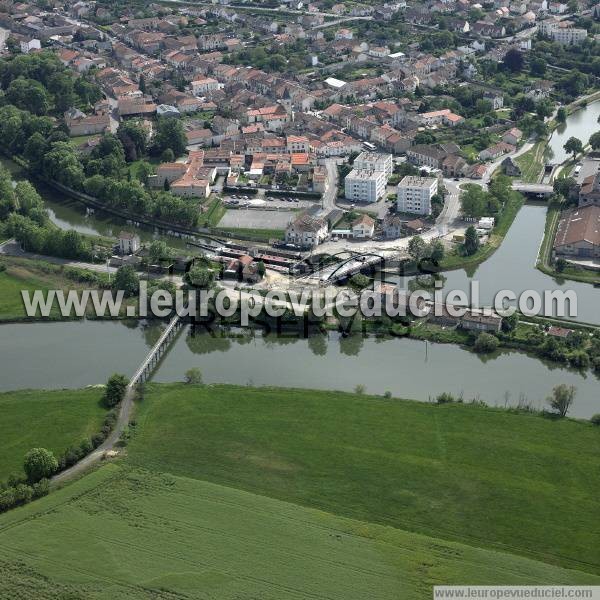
column 561, row 114
column 574, row 146
column 562, row 398
column 486, row 343
column 28, row 94
column 134, row 137
column 193, row 376
column 437, row 250
column 510, row 322
column 595, row 140
column 473, row 201
column 513, row 60
column 537, row 66
column 564, row 186
column 560, row 264
column 170, row 134
column 159, row 251
column 417, row 247
column 471, row 244
column 39, row 464
column 116, row 387
column 199, row 276
column 127, row 279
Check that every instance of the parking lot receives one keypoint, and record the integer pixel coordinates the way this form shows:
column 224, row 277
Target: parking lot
column 244, row 218
column 289, row 202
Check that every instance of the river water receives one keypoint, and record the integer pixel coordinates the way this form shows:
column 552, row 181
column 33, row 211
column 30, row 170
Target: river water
column 75, row 354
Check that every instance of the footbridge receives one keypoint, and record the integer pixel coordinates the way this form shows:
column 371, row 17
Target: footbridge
column 348, row 267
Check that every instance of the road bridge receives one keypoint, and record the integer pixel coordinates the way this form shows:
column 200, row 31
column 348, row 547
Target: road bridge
column 539, row 190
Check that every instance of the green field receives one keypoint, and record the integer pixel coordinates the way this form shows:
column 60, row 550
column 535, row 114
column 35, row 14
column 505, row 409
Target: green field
column 51, row 419
column 481, row 476
column 12, row 281
column 231, row 492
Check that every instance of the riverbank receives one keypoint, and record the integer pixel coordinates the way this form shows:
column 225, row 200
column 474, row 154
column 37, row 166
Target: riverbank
column 503, row 223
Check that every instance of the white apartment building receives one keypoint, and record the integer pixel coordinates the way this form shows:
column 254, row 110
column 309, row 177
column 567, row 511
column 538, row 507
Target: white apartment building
column 568, row 36
column 415, row 193
column 374, row 161
column 362, row 185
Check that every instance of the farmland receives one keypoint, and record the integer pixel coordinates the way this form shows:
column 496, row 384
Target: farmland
column 123, row 533
column 479, row 476
column 50, row 419
column 236, row 492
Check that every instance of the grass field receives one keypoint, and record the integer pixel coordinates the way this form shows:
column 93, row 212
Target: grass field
column 123, row 533
column 480, row 476
column 532, row 162
column 51, row 419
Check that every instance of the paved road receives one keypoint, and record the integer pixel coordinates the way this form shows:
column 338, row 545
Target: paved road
column 109, row 443
column 13, row 248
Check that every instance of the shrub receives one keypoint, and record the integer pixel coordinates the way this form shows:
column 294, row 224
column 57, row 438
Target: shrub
column 193, row 376
column 41, row 488
column 445, row 398
column 486, row 343
column 97, row 439
column 86, row 447
column 360, row 389
column 387, row 394
column 596, row 419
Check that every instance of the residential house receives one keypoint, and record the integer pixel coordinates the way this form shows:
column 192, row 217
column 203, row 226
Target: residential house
column 306, row 231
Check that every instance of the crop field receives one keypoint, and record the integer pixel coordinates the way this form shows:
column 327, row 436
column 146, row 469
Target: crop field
column 486, row 477
column 126, row 533
column 51, row 419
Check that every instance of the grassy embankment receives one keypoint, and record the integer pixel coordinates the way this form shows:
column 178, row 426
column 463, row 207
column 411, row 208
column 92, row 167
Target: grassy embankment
column 503, row 223
column 272, row 493
column 54, row 419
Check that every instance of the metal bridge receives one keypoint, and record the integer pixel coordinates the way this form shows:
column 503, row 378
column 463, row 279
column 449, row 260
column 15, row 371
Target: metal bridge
column 356, row 263
column 152, row 358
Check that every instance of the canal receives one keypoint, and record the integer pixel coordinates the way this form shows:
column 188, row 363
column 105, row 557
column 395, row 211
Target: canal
column 75, row 354
column 580, row 124
column 512, row 267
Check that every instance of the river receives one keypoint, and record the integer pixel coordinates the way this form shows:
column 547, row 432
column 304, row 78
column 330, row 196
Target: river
column 75, row 354
column 580, row 124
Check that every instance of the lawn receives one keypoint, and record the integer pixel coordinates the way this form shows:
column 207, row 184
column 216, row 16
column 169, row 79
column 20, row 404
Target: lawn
column 16, row 278
column 51, row 419
column 484, row 477
column 126, row 533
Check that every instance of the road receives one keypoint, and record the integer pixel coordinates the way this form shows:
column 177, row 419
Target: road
column 331, row 187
